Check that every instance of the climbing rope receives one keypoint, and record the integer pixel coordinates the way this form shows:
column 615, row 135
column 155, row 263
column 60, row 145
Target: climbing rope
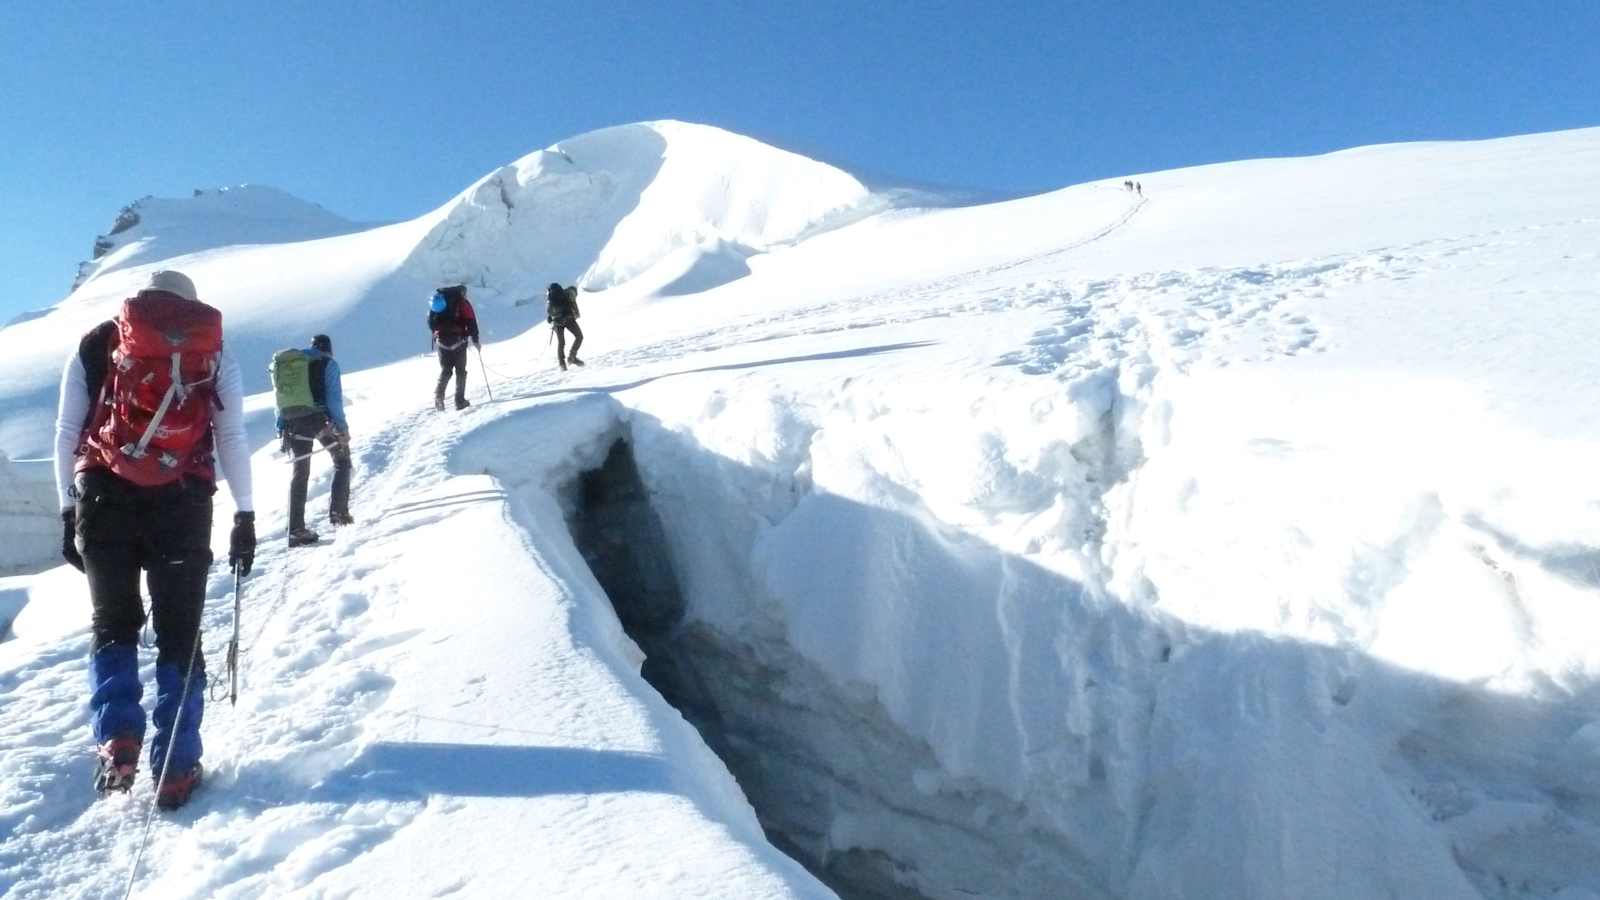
column 161, row 780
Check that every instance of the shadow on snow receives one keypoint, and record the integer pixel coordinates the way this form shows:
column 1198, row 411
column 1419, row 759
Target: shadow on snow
column 390, row 770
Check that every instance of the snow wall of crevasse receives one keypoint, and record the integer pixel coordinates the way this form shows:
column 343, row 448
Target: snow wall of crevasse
column 542, row 470
column 29, row 519
column 966, row 700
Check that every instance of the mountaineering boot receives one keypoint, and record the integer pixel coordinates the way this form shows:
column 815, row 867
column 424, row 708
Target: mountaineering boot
column 118, row 762
column 461, row 403
column 562, row 363
column 176, row 789
column 341, row 518
column 302, row 537
column 574, row 360
column 438, row 402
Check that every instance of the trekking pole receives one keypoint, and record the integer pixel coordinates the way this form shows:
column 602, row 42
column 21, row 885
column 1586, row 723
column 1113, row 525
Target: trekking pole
column 233, row 645
column 485, row 370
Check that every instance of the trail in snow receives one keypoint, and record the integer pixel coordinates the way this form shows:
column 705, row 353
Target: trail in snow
column 1068, row 249
column 320, row 635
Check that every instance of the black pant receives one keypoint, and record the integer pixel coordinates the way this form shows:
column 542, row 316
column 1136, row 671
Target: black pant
column 452, row 361
column 166, row 532
column 300, row 433
column 562, row 326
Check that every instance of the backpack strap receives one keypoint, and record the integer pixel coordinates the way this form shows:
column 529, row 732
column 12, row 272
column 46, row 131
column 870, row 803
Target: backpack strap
column 177, row 389
column 94, row 354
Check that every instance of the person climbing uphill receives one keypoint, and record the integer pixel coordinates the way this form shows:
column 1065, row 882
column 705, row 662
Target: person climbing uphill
column 309, row 395
column 561, row 311
column 150, row 402
column 454, row 324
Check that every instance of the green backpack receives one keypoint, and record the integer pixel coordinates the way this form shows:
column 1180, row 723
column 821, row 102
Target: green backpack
column 291, row 383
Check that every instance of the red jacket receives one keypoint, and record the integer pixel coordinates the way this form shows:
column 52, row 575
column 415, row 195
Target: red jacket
column 456, row 322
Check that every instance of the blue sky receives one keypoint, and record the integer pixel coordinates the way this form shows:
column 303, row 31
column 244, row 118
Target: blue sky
column 378, row 111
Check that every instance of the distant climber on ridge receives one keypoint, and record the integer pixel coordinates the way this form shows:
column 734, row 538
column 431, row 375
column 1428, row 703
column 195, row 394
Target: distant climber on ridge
column 561, row 311
column 454, row 324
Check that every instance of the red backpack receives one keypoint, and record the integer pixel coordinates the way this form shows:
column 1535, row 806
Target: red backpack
column 152, row 424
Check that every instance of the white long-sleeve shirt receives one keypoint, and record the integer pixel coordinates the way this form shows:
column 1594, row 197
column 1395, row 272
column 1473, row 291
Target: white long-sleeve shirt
column 227, row 428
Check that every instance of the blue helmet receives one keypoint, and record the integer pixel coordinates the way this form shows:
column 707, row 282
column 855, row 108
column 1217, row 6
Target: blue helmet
column 438, row 303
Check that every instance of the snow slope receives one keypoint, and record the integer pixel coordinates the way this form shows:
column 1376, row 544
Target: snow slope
column 1234, row 541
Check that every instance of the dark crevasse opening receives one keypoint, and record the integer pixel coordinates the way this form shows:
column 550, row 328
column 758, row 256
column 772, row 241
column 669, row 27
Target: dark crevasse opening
column 729, row 696
column 834, row 782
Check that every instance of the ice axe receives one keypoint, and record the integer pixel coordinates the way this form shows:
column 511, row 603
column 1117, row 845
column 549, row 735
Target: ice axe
column 233, row 645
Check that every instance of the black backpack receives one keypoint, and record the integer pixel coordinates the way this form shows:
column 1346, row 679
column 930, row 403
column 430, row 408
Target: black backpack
column 559, row 305
column 448, row 321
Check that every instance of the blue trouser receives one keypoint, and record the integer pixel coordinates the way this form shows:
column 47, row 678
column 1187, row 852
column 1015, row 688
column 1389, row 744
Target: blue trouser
column 165, row 532
column 116, row 711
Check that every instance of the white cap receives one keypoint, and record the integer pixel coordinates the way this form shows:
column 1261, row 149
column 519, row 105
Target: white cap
column 173, row 282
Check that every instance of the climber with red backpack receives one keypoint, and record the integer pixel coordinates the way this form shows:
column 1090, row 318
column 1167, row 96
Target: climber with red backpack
column 454, row 324
column 150, row 405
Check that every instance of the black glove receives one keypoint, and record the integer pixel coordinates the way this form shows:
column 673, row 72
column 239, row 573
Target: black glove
column 476, row 344
column 242, row 542
column 284, row 446
column 69, row 538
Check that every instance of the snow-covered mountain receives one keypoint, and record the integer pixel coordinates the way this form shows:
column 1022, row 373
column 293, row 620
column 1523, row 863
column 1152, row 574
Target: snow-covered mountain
column 669, row 203
column 156, row 228
column 1239, row 539
column 604, row 208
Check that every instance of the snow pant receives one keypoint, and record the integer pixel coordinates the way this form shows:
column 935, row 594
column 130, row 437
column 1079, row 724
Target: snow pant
column 562, row 326
column 299, row 434
column 165, row 531
column 452, row 361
